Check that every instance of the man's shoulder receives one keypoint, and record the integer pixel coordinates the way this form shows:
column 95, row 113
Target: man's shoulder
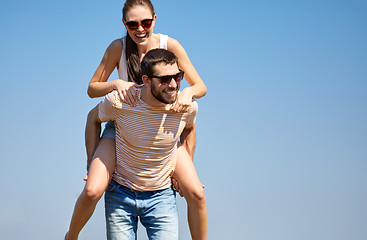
column 114, row 99
column 191, row 114
column 194, row 107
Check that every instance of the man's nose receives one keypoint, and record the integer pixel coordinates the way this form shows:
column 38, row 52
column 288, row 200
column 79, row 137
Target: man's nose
column 172, row 83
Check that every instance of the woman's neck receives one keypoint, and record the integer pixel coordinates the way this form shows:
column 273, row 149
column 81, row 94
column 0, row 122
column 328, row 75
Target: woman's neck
column 142, row 49
column 153, row 42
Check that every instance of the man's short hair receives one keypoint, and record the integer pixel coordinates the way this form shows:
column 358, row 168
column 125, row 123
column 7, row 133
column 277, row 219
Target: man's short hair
column 154, row 57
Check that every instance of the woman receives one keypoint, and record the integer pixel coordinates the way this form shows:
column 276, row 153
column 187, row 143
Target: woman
column 125, row 54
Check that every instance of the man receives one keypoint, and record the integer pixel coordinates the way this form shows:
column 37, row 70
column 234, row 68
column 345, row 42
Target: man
column 146, row 144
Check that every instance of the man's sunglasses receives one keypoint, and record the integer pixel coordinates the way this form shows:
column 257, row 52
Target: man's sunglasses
column 133, row 25
column 168, row 78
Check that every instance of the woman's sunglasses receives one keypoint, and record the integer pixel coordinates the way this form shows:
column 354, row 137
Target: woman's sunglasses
column 168, row 78
column 133, row 25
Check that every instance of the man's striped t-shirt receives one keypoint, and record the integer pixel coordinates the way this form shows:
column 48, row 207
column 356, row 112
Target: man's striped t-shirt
column 146, row 141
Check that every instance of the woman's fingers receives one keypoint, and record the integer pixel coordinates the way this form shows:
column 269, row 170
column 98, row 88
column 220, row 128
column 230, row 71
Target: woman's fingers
column 180, row 108
column 128, row 96
column 131, row 96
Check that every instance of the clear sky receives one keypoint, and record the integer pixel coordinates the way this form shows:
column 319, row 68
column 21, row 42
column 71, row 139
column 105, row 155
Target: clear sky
column 282, row 131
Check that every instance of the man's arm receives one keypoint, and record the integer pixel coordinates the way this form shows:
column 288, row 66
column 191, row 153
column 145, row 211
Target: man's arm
column 92, row 133
column 188, row 139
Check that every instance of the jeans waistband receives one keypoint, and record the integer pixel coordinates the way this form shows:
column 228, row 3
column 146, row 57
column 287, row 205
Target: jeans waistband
column 122, row 187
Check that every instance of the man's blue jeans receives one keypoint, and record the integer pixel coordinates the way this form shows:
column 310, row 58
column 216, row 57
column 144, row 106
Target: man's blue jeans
column 156, row 209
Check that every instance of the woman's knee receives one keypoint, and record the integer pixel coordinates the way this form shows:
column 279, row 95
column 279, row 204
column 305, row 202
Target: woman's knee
column 195, row 195
column 93, row 192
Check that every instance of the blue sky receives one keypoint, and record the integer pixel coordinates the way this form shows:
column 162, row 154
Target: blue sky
column 282, row 133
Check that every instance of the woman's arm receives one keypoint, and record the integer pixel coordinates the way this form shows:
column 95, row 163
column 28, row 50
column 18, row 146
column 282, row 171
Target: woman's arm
column 99, row 86
column 197, row 87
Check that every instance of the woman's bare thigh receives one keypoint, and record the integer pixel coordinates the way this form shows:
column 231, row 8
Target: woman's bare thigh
column 185, row 173
column 102, row 165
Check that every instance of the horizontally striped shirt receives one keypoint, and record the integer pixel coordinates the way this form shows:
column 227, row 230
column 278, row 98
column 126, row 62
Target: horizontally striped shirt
column 146, row 141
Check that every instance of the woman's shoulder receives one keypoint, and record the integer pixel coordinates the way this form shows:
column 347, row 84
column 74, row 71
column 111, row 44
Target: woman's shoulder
column 114, row 50
column 174, row 46
column 172, row 41
column 116, row 44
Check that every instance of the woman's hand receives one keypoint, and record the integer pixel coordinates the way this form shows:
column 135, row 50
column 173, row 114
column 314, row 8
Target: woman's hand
column 126, row 91
column 176, row 186
column 183, row 102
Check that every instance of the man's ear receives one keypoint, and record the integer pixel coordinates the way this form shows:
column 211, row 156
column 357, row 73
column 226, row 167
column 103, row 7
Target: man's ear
column 146, row 80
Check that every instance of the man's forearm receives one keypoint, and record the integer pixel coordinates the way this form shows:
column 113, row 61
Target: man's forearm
column 188, row 140
column 92, row 134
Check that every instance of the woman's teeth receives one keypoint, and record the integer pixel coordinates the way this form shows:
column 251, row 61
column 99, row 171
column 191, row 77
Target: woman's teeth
column 141, row 35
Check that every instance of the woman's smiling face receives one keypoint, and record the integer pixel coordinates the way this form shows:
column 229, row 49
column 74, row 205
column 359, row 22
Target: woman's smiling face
column 139, row 13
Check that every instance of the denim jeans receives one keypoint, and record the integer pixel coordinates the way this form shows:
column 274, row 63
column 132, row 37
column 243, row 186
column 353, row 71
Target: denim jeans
column 109, row 130
column 156, row 210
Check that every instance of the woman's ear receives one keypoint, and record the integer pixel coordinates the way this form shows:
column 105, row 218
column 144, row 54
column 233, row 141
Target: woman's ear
column 154, row 20
column 124, row 22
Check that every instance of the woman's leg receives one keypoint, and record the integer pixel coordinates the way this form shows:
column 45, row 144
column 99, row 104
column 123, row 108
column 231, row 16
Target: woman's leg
column 99, row 176
column 193, row 192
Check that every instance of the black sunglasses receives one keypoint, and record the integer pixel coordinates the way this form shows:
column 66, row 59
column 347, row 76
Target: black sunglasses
column 133, row 25
column 168, row 78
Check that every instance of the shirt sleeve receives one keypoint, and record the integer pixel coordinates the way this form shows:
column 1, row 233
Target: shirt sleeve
column 191, row 117
column 107, row 107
